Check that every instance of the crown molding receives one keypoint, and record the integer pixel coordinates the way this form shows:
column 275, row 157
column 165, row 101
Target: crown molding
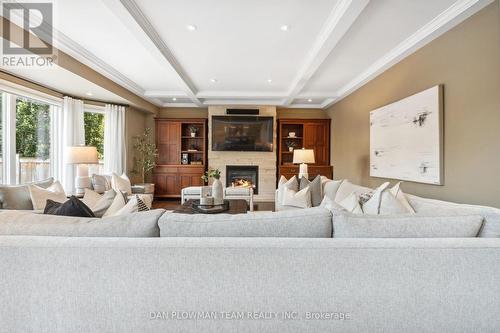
column 337, row 24
column 449, row 18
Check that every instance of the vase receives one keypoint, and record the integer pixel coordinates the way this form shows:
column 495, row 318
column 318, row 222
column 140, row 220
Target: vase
column 217, row 192
column 290, row 149
column 193, row 134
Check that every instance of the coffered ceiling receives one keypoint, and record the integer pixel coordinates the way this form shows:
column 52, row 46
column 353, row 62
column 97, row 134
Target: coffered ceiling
column 291, row 53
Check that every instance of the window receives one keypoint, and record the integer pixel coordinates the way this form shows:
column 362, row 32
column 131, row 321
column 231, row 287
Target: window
column 32, row 140
column 94, row 136
column 25, row 136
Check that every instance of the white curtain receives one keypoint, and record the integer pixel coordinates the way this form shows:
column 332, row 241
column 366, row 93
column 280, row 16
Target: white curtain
column 67, row 130
column 114, row 139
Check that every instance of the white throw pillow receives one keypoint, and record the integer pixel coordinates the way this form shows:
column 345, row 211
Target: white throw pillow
column 330, row 188
column 121, row 183
column 351, row 204
column 118, row 203
column 129, row 208
column 372, row 206
column 39, row 195
column 346, row 188
column 401, row 196
column 90, row 198
column 301, row 199
column 291, row 183
column 389, row 205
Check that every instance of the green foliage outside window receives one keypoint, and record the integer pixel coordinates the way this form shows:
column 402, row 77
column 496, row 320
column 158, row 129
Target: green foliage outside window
column 32, row 129
column 94, row 131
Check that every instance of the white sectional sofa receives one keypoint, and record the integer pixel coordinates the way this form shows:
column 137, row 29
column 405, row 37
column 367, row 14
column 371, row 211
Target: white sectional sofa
column 296, row 279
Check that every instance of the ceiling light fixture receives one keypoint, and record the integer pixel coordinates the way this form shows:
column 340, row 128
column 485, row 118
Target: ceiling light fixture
column 213, row 80
column 284, row 28
column 174, row 99
column 191, row 27
column 269, row 80
column 89, row 93
column 309, row 100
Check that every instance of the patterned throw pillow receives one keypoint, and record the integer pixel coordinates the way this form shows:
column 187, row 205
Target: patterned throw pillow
column 141, row 205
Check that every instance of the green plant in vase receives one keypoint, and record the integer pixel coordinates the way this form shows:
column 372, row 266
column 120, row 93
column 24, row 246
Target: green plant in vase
column 193, row 130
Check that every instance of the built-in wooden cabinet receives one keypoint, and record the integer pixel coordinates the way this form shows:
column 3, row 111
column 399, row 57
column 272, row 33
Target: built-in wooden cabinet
column 310, row 134
column 182, row 158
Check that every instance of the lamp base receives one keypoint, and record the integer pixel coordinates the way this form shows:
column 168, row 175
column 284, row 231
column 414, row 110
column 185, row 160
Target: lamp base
column 82, row 179
column 303, row 172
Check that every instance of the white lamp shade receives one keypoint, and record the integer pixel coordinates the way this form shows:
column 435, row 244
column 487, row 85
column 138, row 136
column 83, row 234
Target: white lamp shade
column 81, row 155
column 303, row 156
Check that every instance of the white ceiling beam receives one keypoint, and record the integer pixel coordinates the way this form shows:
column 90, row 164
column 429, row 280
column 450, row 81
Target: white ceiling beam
column 241, row 94
column 338, row 22
column 151, row 39
column 449, row 18
column 163, row 94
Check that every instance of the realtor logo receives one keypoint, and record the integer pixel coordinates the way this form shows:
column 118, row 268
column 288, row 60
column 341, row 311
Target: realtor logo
column 36, row 21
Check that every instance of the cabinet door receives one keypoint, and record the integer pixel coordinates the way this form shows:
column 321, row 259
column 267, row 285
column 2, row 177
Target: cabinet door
column 166, row 184
column 168, row 138
column 316, row 136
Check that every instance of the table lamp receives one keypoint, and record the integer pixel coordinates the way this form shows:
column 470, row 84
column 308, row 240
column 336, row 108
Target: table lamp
column 303, row 156
column 82, row 156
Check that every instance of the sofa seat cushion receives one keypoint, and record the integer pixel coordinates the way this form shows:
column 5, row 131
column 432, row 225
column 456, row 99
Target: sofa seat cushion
column 309, row 223
column 346, row 225
column 142, row 224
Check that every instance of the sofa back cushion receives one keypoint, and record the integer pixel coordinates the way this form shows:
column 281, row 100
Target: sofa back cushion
column 17, row 197
column 310, row 223
column 491, row 215
column 142, row 224
column 346, row 225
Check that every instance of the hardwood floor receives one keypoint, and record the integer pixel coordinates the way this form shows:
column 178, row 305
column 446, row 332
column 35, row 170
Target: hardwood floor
column 171, row 204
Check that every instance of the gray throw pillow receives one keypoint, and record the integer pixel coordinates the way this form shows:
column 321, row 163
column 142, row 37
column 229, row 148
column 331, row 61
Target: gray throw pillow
column 141, row 224
column 101, row 183
column 17, row 197
column 102, row 205
column 315, row 188
column 346, row 225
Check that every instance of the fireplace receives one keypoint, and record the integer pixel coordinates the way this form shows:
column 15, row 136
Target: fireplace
column 243, row 176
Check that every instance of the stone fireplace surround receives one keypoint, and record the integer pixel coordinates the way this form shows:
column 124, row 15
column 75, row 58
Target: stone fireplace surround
column 266, row 161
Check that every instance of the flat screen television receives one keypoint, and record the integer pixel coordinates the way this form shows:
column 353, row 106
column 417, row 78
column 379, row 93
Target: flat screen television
column 242, row 133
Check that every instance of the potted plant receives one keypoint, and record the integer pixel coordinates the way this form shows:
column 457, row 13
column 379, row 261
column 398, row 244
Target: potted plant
column 145, row 157
column 217, row 191
column 193, row 130
column 291, row 145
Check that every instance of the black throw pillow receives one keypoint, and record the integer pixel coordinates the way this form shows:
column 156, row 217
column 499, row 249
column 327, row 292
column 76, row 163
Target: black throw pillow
column 72, row 207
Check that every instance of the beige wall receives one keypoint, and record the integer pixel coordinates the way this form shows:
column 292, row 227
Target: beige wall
column 466, row 60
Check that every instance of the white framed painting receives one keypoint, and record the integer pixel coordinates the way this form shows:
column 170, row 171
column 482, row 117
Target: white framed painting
column 406, row 138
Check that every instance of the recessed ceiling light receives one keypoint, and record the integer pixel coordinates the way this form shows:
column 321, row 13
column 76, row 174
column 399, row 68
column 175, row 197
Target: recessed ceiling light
column 269, row 80
column 174, row 99
column 284, row 28
column 213, row 80
column 89, row 93
column 191, row 27
column 309, row 100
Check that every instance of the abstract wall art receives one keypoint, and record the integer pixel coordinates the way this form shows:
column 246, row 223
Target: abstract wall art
column 406, row 138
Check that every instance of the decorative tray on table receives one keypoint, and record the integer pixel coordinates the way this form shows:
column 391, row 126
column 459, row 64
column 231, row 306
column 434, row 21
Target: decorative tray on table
column 210, row 209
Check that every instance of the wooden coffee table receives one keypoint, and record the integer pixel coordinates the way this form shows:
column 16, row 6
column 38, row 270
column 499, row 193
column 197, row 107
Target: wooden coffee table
column 236, row 206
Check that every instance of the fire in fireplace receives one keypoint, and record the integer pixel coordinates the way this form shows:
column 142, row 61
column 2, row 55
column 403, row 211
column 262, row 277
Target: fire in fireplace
column 243, row 176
